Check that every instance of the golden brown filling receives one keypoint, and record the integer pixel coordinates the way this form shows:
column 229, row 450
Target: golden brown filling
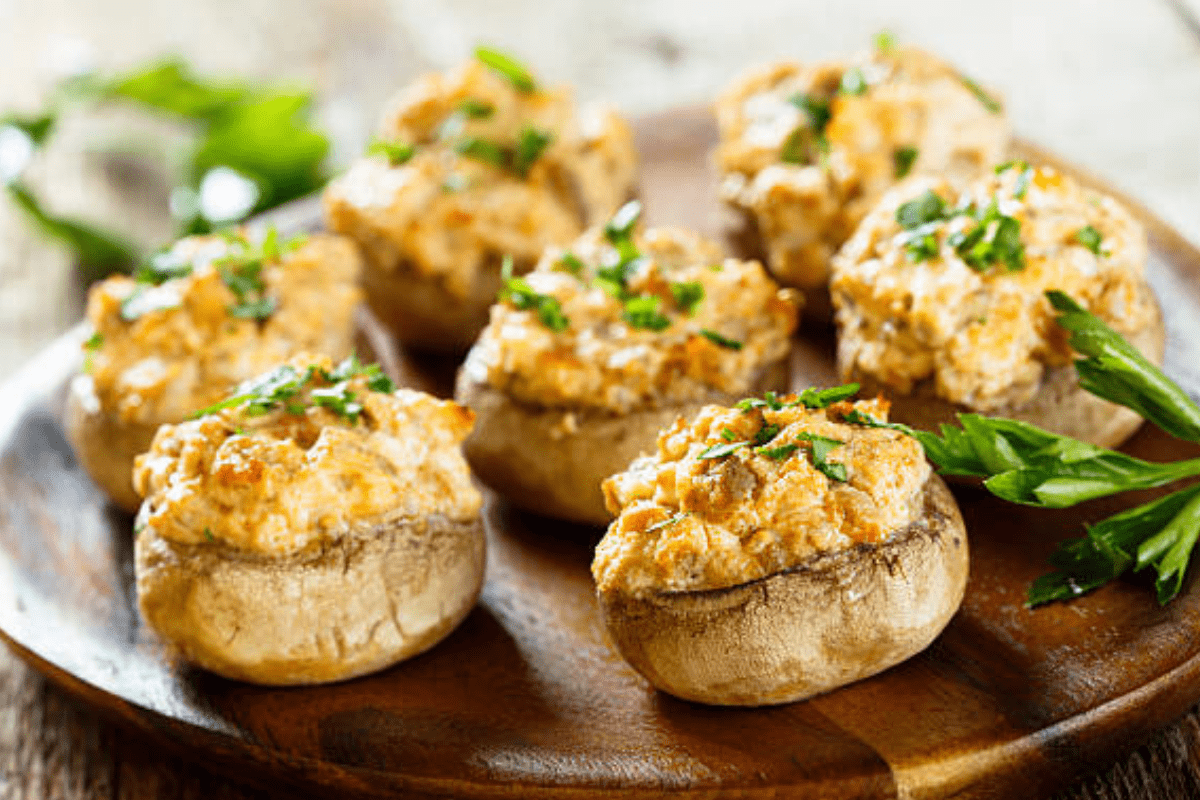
column 166, row 346
column 311, row 452
column 736, row 494
column 809, row 149
column 471, row 168
column 960, row 299
column 621, row 321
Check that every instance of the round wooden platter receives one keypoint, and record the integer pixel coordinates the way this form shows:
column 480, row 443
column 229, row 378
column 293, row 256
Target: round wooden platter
column 527, row 699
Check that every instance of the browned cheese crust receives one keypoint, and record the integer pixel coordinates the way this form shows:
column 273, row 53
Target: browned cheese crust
column 833, row 619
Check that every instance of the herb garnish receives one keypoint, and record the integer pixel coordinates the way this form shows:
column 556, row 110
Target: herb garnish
column 523, row 297
column 1089, row 237
column 642, row 312
column 1023, row 179
column 688, row 295
column 666, row 523
column 995, row 238
column 1025, row 464
column 903, row 159
column 989, row 102
column 921, row 218
column 476, row 109
column 810, row 398
column 90, row 348
column 885, row 42
column 518, row 159
column 293, row 390
column 853, row 82
column 507, row 67
column 820, row 448
column 569, row 262
column 718, row 339
column 397, row 153
column 807, row 142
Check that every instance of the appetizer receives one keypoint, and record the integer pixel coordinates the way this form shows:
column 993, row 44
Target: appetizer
column 196, row 320
column 807, row 149
column 940, row 298
column 317, row 525
column 589, row 355
column 469, row 167
column 779, row 549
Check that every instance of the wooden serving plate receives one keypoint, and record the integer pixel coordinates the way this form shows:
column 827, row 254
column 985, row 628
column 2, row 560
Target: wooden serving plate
column 526, row 698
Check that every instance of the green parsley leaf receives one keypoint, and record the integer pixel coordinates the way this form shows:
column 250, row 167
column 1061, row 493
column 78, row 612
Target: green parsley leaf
column 476, row 109
column 778, row 453
column 989, row 102
column 765, row 434
column 823, row 398
column 928, row 207
column 1023, row 179
column 531, row 143
column 1116, row 371
column 817, row 109
column 1090, row 238
column 643, row 312
column 821, row 447
column 768, row 400
column 208, row 534
column 288, row 389
column 903, row 159
column 718, row 339
column 688, row 295
column 853, row 82
column 720, row 450
column 507, row 67
column 90, row 348
column 483, row 150
column 569, row 262
column 728, row 435
column 666, row 523
column 885, row 42
column 622, row 224
column 397, row 153
column 37, row 127
column 523, row 297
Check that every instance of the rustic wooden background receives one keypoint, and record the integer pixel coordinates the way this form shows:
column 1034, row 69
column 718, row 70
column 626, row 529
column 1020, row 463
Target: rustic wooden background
column 1112, row 85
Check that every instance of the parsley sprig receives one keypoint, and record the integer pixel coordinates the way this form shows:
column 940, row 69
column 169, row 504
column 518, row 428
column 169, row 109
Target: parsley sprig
column 294, row 390
column 995, row 237
column 507, row 67
column 807, row 143
column 517, row 158
column 522, row 296
column 1024, row 464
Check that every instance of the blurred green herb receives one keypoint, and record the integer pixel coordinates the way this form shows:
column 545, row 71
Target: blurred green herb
column 255, row 148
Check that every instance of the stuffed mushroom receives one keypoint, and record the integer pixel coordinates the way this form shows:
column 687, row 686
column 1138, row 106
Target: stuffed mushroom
column 470, row 166
column 603, row 344
column 941, row 299
column 316, row 526
column 807, row 149
column 779, row 549
column 198, row 319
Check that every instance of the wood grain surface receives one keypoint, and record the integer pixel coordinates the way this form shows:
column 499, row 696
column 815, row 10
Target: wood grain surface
column 527, row 698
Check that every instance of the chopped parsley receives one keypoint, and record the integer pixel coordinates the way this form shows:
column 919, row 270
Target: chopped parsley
column 820, row 448
column 90, row 348
column 1090, row 238
column 885, row 41
column 614, row 278
column 929, row 207
column 720, row 450
column 397, row 153
column 688, row 295
column 809, row 398
column 569, row 262
column 620, row 227
column 728, row 435
column 242, row 273
column 765, row 434
column 996, row 238
column 1023, row 179
column 807, row 143
column 903, row 159
column 643, row 312
column 294, row 391
column 718, row 339
column 989, row 102
column 778, row 453
column 507, row 67
column 518, row 159
column 523, row 297
column 853, row 82
column 476, row 109
column 208, row 534
column 666, row 523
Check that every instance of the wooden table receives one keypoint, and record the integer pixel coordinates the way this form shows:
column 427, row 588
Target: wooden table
column 1115, row 86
